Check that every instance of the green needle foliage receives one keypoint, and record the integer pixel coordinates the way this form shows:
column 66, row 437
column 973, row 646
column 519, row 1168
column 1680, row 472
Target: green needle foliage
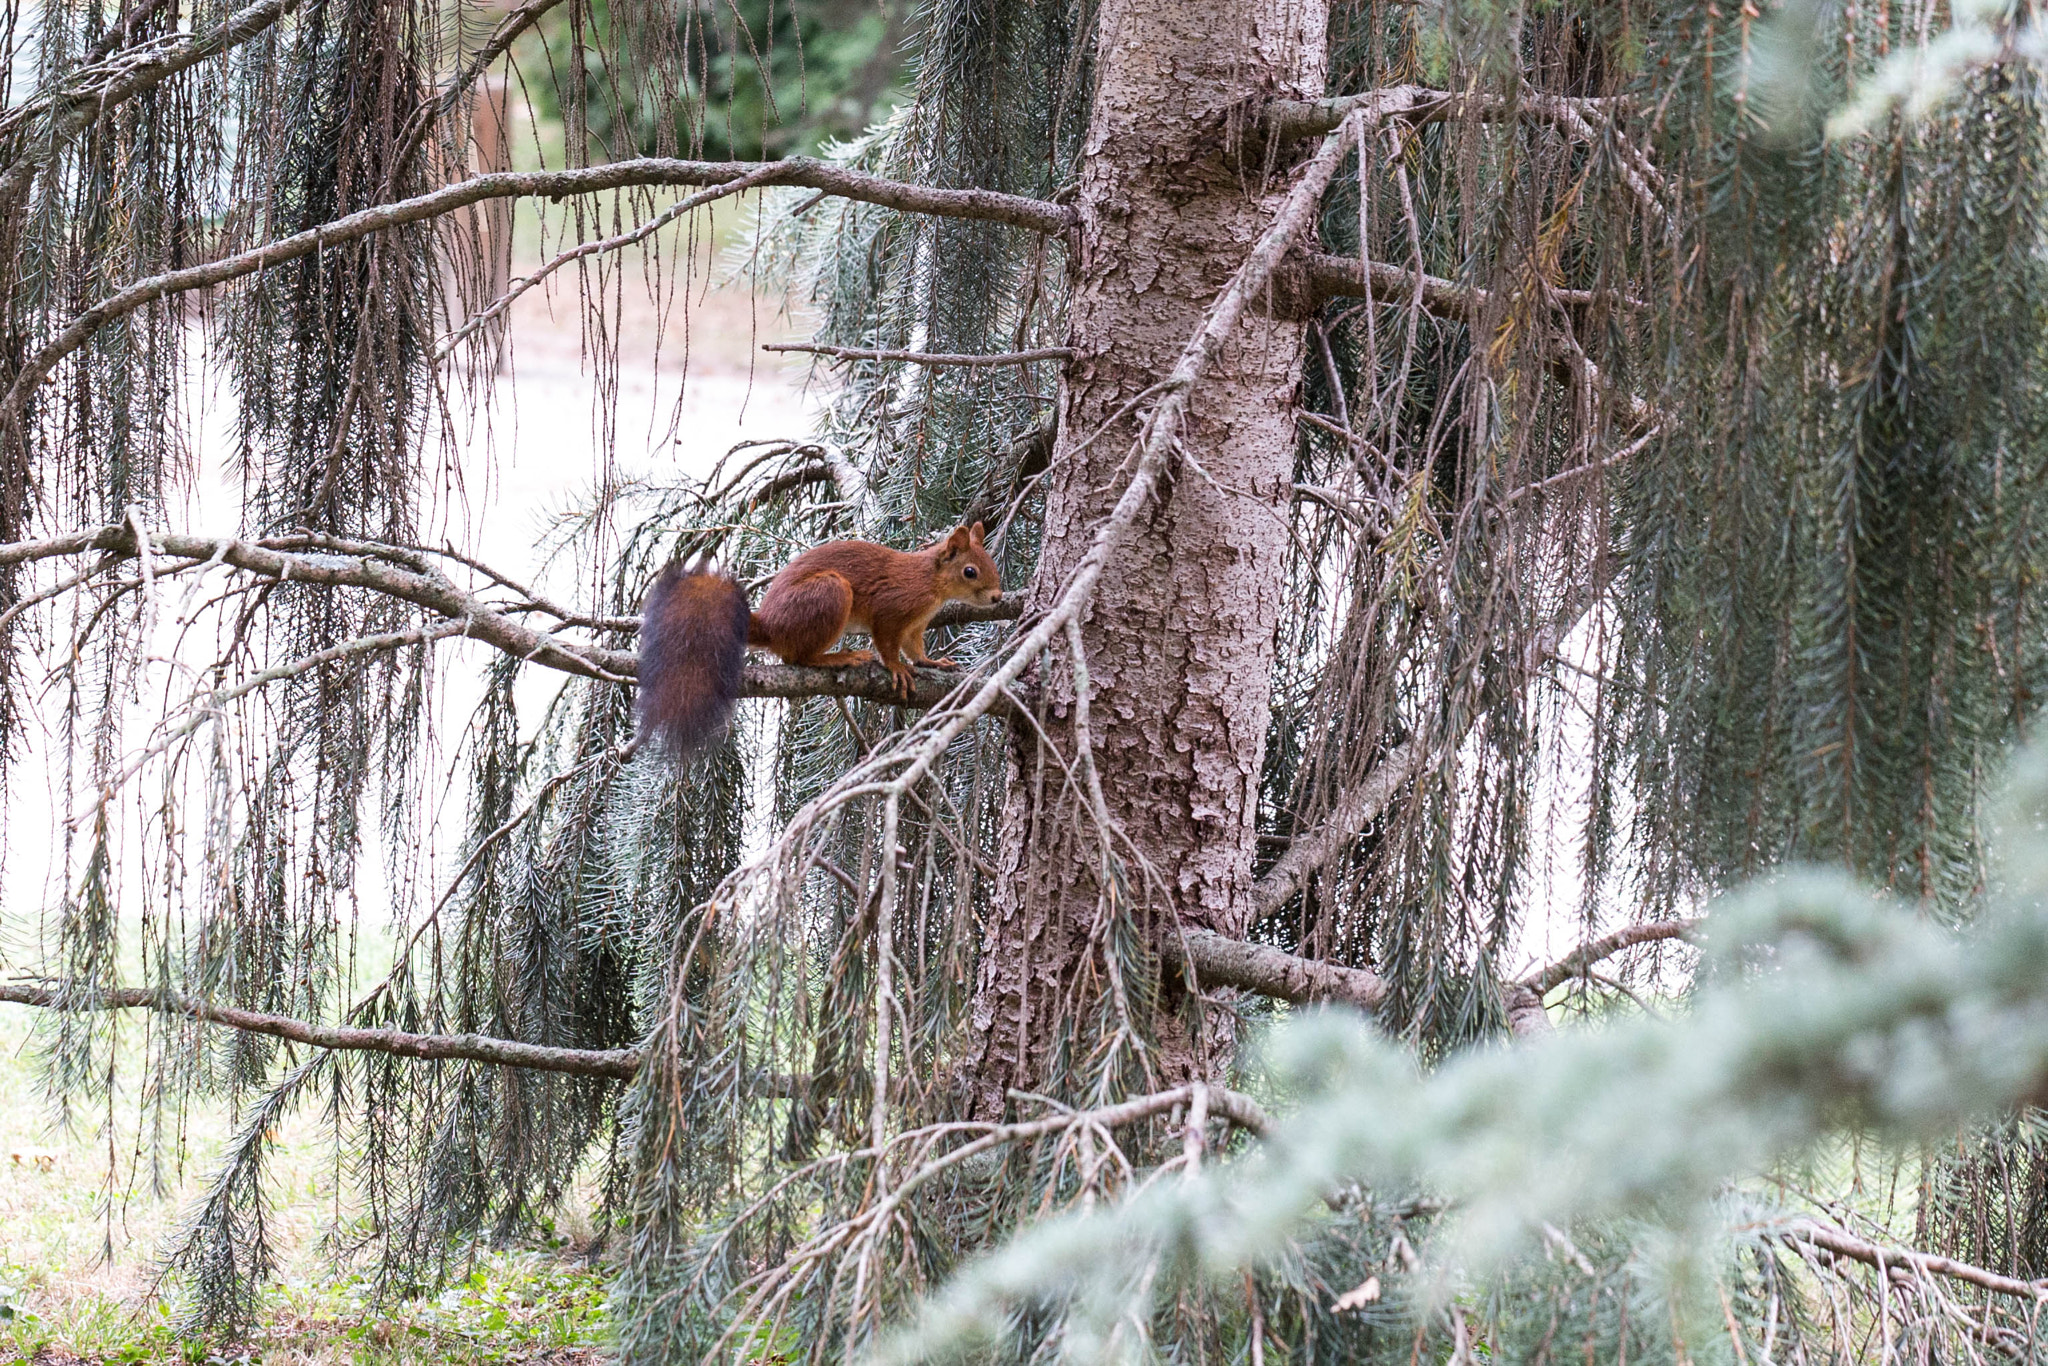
column 1692, row 530
column 1824, row 1008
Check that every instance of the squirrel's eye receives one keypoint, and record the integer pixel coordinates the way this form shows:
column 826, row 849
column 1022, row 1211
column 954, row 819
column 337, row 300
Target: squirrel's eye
column 970, row 572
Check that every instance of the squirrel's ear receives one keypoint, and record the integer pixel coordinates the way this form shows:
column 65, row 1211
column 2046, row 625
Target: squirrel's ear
column 974, row 534
column 955, row 543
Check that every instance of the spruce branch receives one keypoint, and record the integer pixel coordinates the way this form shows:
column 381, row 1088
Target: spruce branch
column 759, row 176
column 1547, row 979
column 1318, row 277
column 619, row 1063
column 1219, row 960
column 92, row 92
column 1287, row 120
column 1355, row 808
column 807, row 172
column 502, row 37
column 408, row 575
column 1902, row 1260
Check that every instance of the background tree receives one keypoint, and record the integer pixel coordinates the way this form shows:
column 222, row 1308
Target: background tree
column 1549, row 440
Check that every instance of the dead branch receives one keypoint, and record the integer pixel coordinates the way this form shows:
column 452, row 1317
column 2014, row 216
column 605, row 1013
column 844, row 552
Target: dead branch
column 1219, row 960
column 621, row 1063
column 1355, row 808
column 1545, row 980
column 808, row 172
column 1892, row 1259
column 932, row 358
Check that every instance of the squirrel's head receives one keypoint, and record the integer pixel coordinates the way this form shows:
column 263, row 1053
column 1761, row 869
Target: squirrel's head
column 965, row 569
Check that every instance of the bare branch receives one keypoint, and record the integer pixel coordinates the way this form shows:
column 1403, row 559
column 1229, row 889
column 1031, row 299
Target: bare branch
column 1899, row 1259
column 621, row 1063
column 1219, row 960
column 1545, row 980
column 933, row 358
column 985, row 205
column 1355, row 808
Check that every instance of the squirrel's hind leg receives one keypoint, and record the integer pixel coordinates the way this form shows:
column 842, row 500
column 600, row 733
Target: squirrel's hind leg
column 802, row 621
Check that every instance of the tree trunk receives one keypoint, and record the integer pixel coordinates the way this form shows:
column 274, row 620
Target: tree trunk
column 1179, row 638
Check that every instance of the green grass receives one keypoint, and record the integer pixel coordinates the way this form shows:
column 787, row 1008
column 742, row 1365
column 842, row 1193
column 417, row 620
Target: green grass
column 78, row 1249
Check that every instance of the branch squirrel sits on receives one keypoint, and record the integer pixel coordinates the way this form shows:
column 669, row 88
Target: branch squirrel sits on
column 695, row 627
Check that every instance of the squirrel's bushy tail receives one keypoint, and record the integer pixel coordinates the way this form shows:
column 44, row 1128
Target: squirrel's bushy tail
column 693, row 651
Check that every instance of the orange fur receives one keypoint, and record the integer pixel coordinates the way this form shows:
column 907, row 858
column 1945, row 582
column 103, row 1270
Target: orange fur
column 892, row 594
column 695, row 626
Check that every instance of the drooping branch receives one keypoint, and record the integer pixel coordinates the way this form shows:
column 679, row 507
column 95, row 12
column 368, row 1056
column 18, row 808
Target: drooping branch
column 410, row 576
column 507, row 32
column 88, row 94
column 807, row 172
column 596, row 247
column 620, row 1063
column 1355, row 808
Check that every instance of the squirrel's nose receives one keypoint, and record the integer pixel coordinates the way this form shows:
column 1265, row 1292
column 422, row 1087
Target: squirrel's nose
column 995, row 595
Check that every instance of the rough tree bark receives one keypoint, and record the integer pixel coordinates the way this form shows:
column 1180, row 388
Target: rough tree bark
column 1179, row 638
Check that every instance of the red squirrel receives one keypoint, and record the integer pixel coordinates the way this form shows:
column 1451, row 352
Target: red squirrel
column 695, row 627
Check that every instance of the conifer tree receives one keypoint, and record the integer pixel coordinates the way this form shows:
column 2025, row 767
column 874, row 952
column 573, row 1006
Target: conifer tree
column 1427, row 446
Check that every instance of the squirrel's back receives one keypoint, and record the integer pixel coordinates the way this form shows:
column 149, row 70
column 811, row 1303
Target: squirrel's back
column 693, row 653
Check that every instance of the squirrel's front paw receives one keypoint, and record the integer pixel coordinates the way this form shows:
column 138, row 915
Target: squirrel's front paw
column 941, row 663
column 906, row 678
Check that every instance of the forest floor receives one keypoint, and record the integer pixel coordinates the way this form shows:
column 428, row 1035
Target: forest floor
column 79, row 1251
column 85, row 1215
